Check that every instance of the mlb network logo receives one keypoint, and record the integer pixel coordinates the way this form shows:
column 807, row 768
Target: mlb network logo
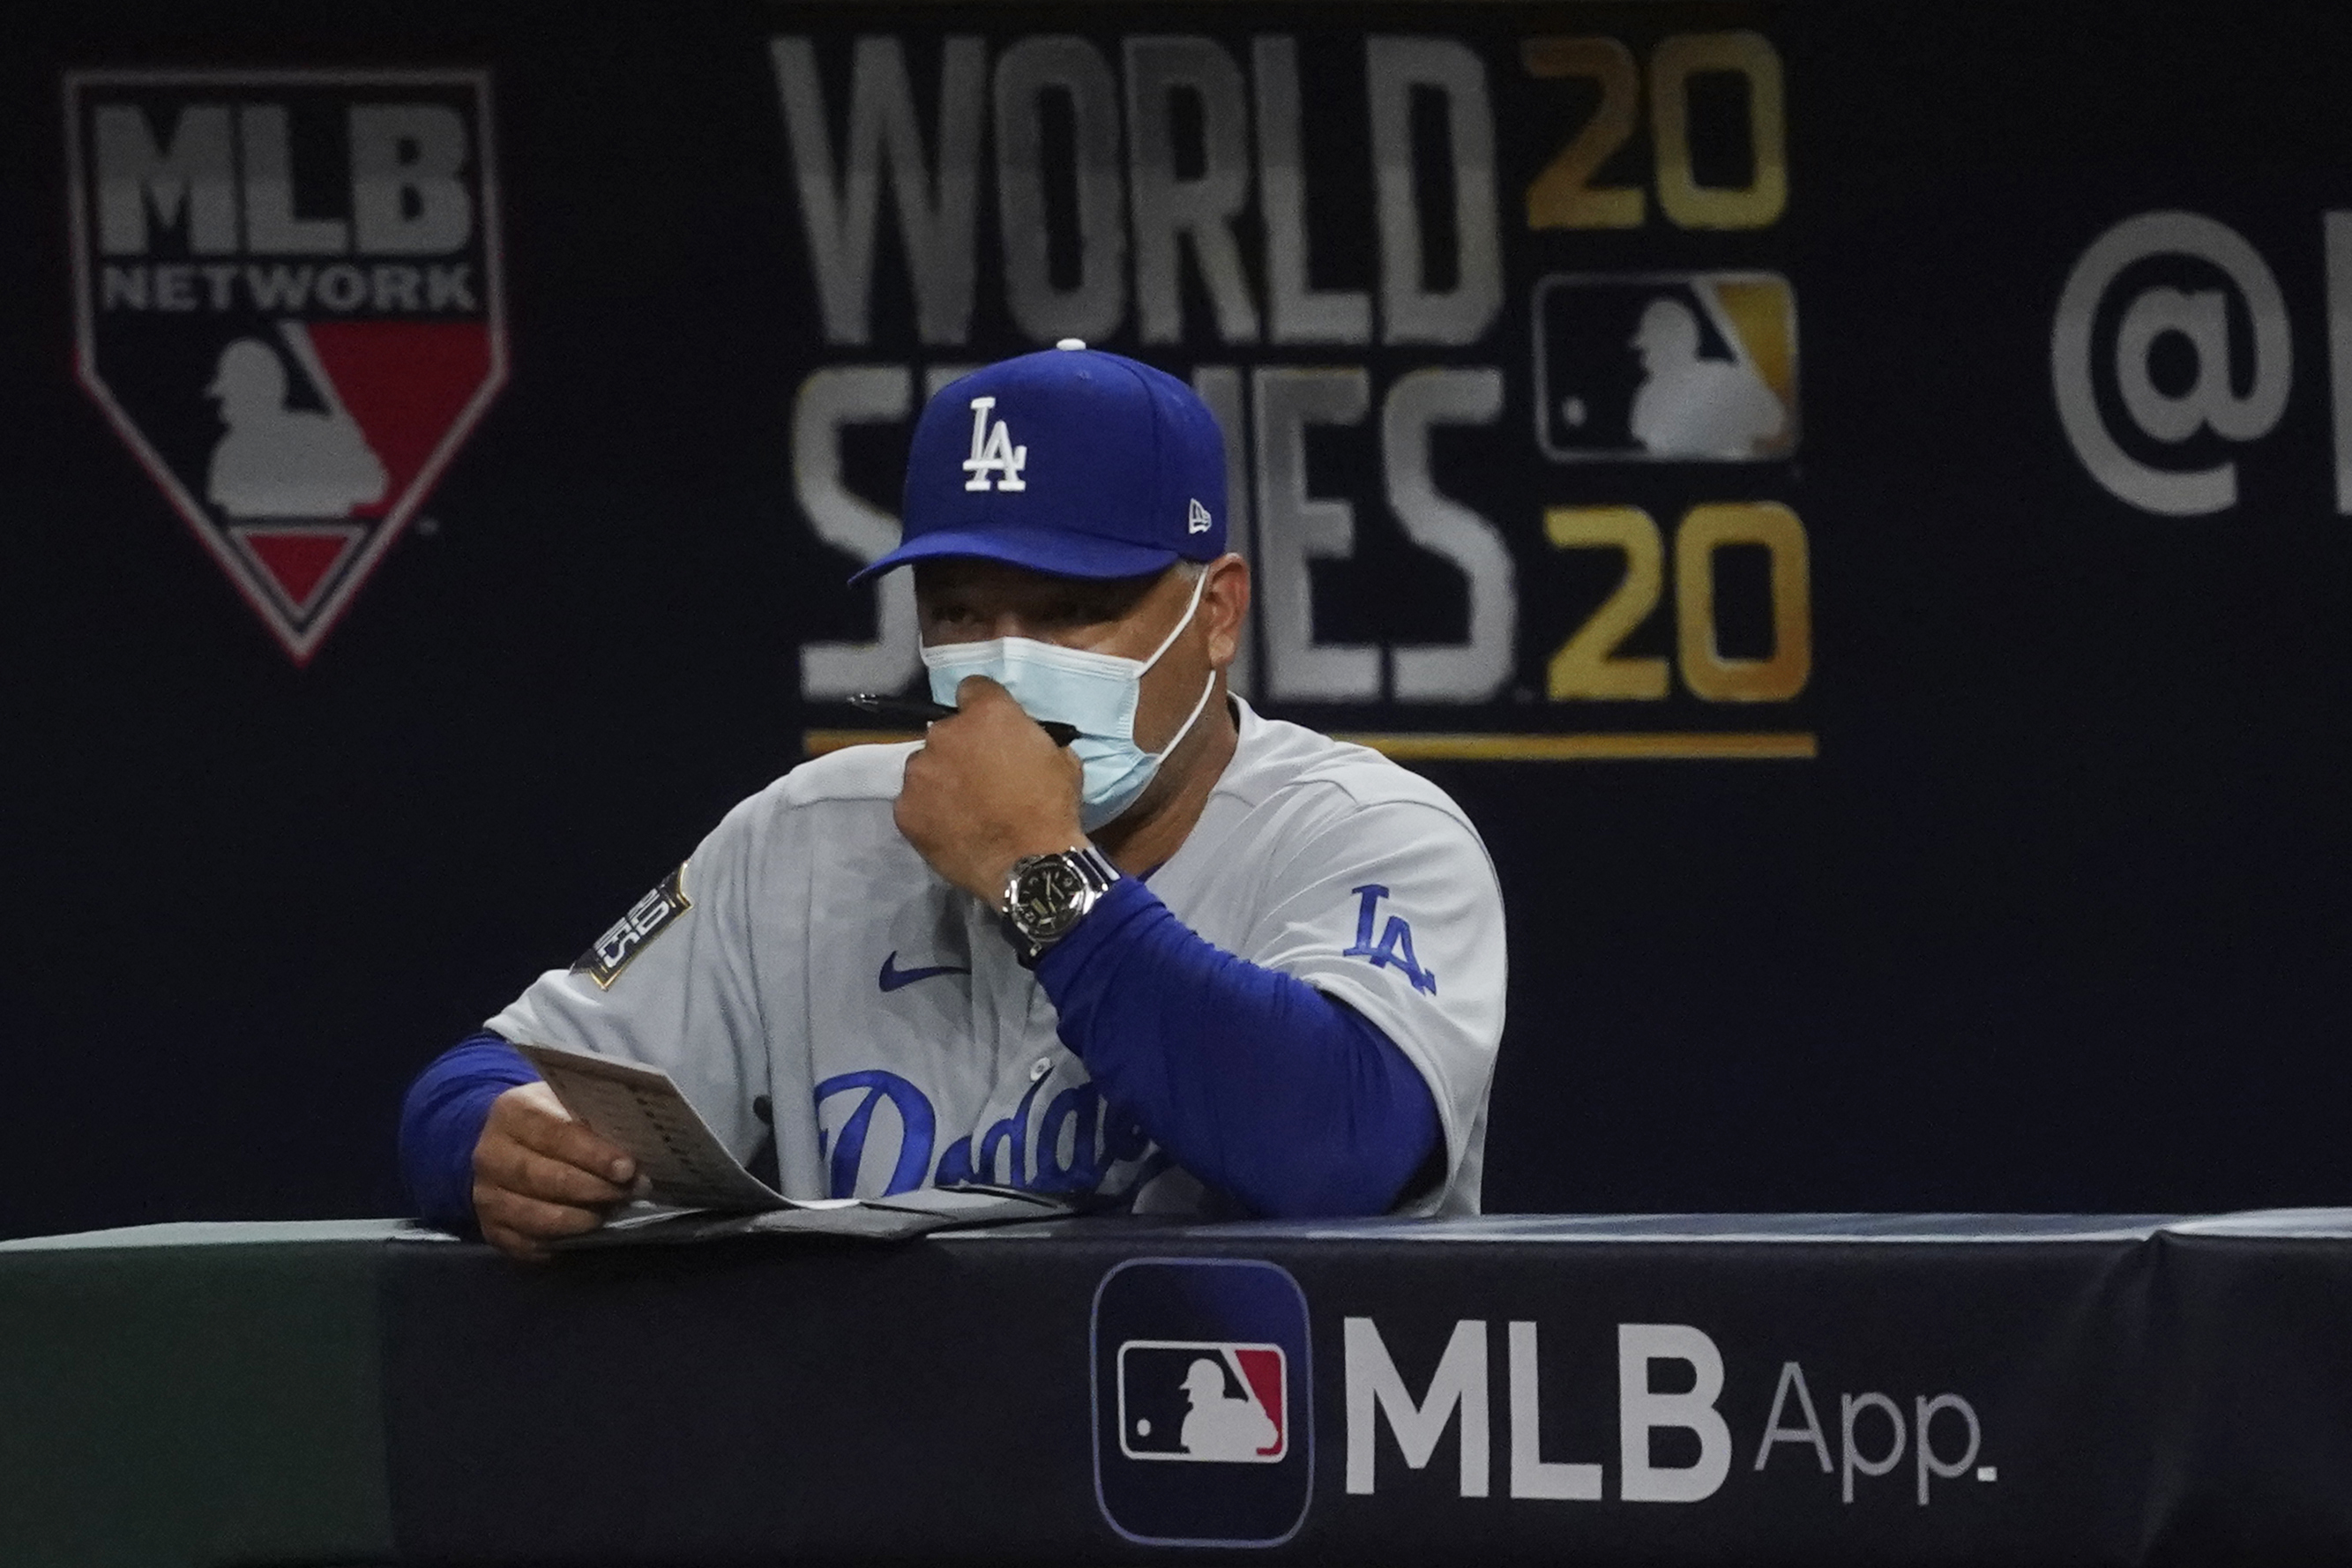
column 1203, row 1411
column 288, row 302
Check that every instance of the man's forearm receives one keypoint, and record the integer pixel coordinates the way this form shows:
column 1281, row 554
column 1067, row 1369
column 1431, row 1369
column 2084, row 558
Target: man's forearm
column 1252, row 1081
column 441, row 1121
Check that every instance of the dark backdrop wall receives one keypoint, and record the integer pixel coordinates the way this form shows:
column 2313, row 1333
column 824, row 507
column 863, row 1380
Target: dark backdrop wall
column 1879, row 590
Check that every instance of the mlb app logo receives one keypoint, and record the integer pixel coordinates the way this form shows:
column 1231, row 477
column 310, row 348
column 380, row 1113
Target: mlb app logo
column 288, row 302
column 1203, row 1403
column 1680, row 367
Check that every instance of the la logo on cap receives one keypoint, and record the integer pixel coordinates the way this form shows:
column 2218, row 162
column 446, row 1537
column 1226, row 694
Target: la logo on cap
column 992, row 451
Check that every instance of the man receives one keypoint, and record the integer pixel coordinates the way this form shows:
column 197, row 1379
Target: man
column 1196, row 962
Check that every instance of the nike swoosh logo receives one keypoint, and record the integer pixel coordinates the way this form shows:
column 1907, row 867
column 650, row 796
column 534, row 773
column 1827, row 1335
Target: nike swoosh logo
column 893, row 977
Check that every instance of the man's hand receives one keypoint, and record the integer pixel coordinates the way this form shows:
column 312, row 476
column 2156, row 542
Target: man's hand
column 987, row 788
column 539, row 1175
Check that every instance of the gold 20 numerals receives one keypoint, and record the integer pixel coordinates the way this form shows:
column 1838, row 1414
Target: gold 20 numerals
column 1563, row 195
column 1587, row 665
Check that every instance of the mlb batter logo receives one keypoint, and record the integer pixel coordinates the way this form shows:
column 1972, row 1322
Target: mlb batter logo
column 1203, row 1417
column 288, row 302
column 1204, row 1401
column 1677, row 367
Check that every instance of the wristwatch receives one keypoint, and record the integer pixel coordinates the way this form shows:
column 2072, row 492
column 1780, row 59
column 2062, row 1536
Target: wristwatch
column 1047, row 896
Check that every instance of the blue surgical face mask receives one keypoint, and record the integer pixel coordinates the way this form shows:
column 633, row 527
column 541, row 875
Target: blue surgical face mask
column 1095, row 693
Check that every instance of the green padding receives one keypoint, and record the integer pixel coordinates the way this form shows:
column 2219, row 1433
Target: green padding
column 193, row 1394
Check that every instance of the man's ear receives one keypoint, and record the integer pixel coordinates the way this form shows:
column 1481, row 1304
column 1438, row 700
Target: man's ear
column 1224, row 607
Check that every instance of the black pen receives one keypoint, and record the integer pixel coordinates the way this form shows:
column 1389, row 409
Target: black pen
column 921, row 711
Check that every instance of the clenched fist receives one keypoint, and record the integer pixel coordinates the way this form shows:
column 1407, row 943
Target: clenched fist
column 988, row 787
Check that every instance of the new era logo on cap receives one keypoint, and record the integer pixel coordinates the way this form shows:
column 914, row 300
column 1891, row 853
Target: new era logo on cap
column 1203, row 1403
column 1072, row 461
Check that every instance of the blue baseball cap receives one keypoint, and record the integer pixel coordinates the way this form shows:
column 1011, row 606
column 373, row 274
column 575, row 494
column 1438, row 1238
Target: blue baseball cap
column 1070, row 461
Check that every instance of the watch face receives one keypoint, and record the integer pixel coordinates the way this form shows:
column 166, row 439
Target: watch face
column 1046, row 900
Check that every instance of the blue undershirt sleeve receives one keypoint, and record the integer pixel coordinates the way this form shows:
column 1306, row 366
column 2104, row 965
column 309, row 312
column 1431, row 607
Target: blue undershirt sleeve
column 441, row 1121
column 1260, row 1085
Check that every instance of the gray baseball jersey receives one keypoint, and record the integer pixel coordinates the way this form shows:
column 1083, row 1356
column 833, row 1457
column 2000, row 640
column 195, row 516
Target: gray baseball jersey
column 806, row 952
